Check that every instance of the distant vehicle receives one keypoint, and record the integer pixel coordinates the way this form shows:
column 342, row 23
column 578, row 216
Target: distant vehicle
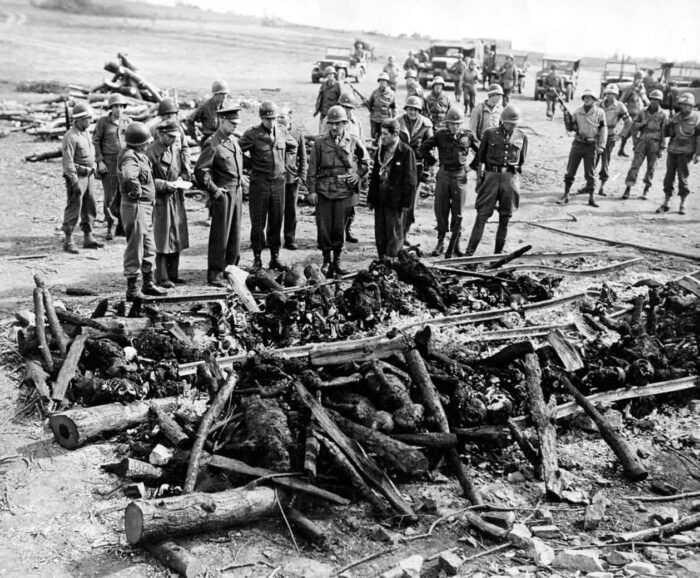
column 568, row 69
column 342, row 59
column 677, row 79
column 498, row 46
column 620, row 73
column 521, row 63
column 444, row 55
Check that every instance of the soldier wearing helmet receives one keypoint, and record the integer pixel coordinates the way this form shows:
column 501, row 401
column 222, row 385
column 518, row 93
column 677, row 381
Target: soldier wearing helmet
column 634, row 97
column 508, row 77
column 219, row 172
column 392, row 71
column 108, row 139
column 138, row 195
column 487, row 114
column 615, row 113
column 411, row 63
column 649, row 141
column 337, row 163
column 328, row 95
column 453, row 144
column 683, row 128
column 78, row 154
column 170, row 233
column 470, row 78
column 488, row 66
column 205, row 117
column 437, row 103
column 649, row 82
column 589, row 124
column 553, row 85
column 414, row 128
column 381, row 104
column 500, row 160
column 268, row 146
column 457, row 70
column 413, row 87
column 168, row 113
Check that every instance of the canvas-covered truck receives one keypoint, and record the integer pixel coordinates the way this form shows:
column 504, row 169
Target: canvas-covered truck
column 444, row 55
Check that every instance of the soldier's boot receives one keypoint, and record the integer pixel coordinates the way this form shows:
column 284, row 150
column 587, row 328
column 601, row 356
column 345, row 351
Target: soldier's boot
column 591, row 200
column 440, row 247
column 109, row 236
column 327, row 266
column 337, row 263
column 349, row 237
column 601, row 190
column 132, row 291
column 257, row 260
column 458, row 250
column 173, row 265
column 69, row 245
column 500, row 245
column 681, row 209
column 565, row 197
column 275, row 262
column 148, row 287
column 162, row 271
column 626, row 194
column 645, row 192
column 664, row 208
column 215, row 279
column 621, row 151
column 89, row 242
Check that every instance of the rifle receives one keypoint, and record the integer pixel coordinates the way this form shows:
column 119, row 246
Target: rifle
column 568, row 117
column 364, row 101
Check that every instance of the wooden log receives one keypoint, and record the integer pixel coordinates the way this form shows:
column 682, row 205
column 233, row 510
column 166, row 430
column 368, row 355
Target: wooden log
column 154, row 520
column 311, row 448
column 176, row 558
column 682, row 525
column 306, row 526
column 36, row 157
column 69, row 367
column 632, row 466
column 523, row 443
column 508, row 354
column 74, row 427
column 342, row 381
column 139, row 471
column 222, row 397
column 54, row 325
column 510, row 257
column 392, row 452
column 474, row 274
column 436, row 440
column 568, row 355
column 543, row 414
column 113, row 326
column 431, row 401
column 237, row 278
column 139, row 80
column 35, row 375
column 190, row 297
column 40, row 325
column 485, row 527
column 170, row 428
column 360, row 349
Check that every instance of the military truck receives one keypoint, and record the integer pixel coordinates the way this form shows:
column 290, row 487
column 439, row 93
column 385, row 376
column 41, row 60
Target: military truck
column 620, row 73
column 346, row 65
column 567, row 68
column 444, row 55
column 677, row 79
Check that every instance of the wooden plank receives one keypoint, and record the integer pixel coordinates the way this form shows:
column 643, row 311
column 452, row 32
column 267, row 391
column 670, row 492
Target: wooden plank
column 236, row 277
column 691, row 284
column 568, row 354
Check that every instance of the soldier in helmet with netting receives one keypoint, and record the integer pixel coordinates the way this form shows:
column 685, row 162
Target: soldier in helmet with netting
column 205, row 117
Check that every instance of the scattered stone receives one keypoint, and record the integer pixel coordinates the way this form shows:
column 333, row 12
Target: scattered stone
column 546, row 531
column 582, row 560
column 681, row 539
column 595, row 511
column 501, row 519
column 575, row 497
column 427, row 506
column 381, row 534
column 694, row 405
column 412, row 566
column 664, row 515
column 656, row 555
column 160, row 456
column 520, row 536
column 410, row 531
column 545, row 515
column 620, row 558
column 516, row 478
column 306, row 567
column 450, row 562
column 542, row 554
column 600, row 575
column 643, row 453
column 664, row 488
column 642, row 568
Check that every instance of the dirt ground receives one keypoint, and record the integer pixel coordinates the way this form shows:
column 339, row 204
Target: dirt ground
column 55, row 516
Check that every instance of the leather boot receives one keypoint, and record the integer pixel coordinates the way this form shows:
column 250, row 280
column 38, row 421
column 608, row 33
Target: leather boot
column 337, row 264
column 173, row 265
column 257, row 261
column 440, row 247
column 349, row 237
column 89, row 242
column 132, row 291
column 149, row 288
column 69, row 245
column 215, row 279
column 327, row 266
column 681, row 209
column 109, row 236
column 601, row 190
column 626, row 194
column 645, row 193
column 500, row 244
column 664, row 208
column 275, row 262
column 591, row 200
column 162, row 271
column 565, row 197
column 621, row 152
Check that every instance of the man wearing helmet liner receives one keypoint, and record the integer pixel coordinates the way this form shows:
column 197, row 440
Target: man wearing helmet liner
column 683, row 146
column 269, row 146
column 437, row 103
column 588, row 122
column 615, row 112
column 206, row 114
column 337, row 163
column 328, row 94
column 501, row 157
column 508, row 77
column 108, row 139
column 414, row 128
column 413, row 87
column 649, row 142
column 634, row 97
column 78, row 154
column 138, row 194
column 453, row 144
column 219, row 171
column 553, row 85
column 381, row 104
column 487, row 114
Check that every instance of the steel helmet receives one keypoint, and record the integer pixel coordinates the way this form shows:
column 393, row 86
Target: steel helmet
column 268, row 109
column 438, row 80
column 687, row 98
column 495, row 89
column 167, row 106
column 589, row 92
column 329, row 70
column 219, row 87
column 229, row 107
column 116, row 99
column 411, row 73
column 347, row 100
column 472, row 62
column 455, row 115
column 81, row 110
column 638, row 74
column 511, row 113
column 137, row 134
column 336, row 114
column 414, row 102
column 656, row 95
column 383, row 76
column 390, row 59
column 612, row 88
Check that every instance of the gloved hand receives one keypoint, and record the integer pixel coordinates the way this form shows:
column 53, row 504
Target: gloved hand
column 312, row 199
column 102, row 168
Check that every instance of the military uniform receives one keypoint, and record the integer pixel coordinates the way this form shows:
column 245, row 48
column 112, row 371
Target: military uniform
column 489, row 68
column 382, row 105
column 392, row 189
column 436, row 107
column 503, row 155
column 413, row 88
column 469, row 80
column 614, row 113
column 684, row 143
column 328, row 95
column 634, row 97
column 648, row 135
column 591, row 134
column 451, row 180
column 458, row 69
column 484, row 116
column 206, row 114
column 78, row 154
column 268, row 150
column 297, row 168
column 553, row 85
column 413, row 133
column 393, row 71
column 354, row 128
column 508, row 79
column 108, row 140
column 219, row 171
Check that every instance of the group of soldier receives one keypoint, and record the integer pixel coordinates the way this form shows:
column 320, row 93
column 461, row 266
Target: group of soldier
column 144, row 178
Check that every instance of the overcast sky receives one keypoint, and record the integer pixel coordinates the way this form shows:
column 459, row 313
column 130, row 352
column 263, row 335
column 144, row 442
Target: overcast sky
column 667, row 29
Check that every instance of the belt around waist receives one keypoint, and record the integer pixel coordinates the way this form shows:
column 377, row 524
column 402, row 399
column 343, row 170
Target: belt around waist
column 266, row 177
column 503, row 169
column 586, row 141
column 456, row 169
